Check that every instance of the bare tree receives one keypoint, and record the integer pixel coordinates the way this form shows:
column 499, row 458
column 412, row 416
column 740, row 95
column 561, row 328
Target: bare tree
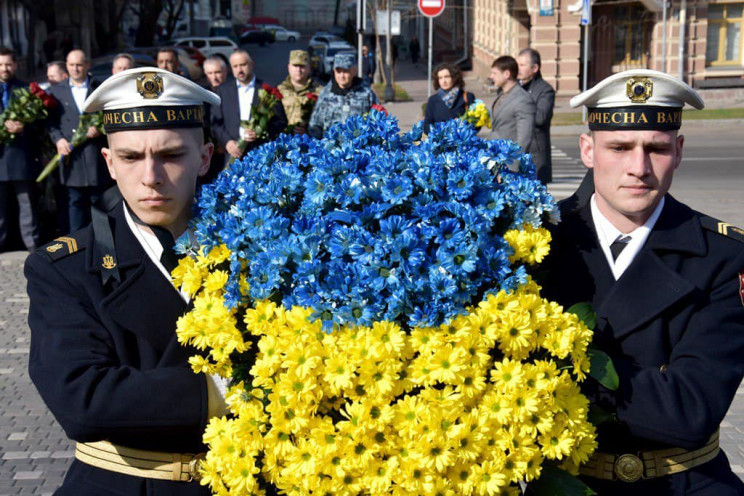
column 148, row 12
column 173, row 9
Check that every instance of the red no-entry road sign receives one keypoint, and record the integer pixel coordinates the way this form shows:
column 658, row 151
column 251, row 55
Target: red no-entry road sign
column 431, row 8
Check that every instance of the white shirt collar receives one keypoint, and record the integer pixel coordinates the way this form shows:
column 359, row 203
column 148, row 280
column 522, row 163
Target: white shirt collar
column 608, row 233
column 249, row 85
column 152, row 247
column 83, row 85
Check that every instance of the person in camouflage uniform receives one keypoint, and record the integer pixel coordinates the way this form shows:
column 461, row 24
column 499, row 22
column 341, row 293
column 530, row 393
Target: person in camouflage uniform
column 344, row 96
column 295, row 89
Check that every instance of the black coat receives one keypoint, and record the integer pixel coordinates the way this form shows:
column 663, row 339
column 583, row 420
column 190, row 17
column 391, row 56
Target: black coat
column 85, row 165
column 19, row 159
column 106, row 360
column 544, row 97
column 438, row 111
column 673, row 325
column 225, row 117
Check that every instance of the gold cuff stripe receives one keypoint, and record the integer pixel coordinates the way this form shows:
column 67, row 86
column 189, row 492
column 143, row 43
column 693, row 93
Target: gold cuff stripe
column 139, row 463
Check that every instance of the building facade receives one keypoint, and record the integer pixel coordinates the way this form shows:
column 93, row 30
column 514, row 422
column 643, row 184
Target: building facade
column 622, row 35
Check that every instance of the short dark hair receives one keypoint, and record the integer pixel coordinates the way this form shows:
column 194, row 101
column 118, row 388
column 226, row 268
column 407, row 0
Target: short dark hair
column 59, row 64
column 124, row 56
column 169, row 50
column 454, row 71
column 534, row 56
column 5, row 52
column 507, row 63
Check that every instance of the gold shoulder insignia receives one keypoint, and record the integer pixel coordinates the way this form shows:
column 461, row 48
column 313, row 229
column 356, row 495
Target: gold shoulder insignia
column 723, row 228
column 63, row 246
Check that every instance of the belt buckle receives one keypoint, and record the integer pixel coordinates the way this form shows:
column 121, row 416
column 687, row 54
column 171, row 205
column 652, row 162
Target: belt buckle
column 195, row 466
column 628, row 468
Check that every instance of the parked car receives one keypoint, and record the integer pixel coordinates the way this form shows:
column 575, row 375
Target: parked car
column 283, row 34
column 100, row 67
column 209, row 46
column 323, row 38
column 330, row 51
column 260, row 36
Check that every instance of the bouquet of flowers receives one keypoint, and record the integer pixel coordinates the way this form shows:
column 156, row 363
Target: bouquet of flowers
column 368, row 296
column 306, row 109
column 27, row 105
column 261, row 114
column 477, row 114
column 79, row 136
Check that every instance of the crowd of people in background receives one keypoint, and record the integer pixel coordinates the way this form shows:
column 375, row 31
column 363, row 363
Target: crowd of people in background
column 522, row 112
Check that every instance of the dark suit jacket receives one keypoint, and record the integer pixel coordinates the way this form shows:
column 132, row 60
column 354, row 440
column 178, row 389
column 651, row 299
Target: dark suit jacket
column 544, row 96
column 678, row 306
column 513, row 117
column 85, row 165
column 19, row 159
column 438, row 111
column 225, row 118
column 106, row 360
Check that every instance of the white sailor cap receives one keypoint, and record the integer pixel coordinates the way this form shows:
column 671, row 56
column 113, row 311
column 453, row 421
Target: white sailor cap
column 149, row 98
column 639, row 99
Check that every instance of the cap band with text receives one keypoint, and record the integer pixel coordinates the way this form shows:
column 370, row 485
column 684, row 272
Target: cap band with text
column 635, row 118
column 152, row 118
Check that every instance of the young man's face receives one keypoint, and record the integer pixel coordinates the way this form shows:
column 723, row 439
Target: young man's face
column 499, row 77
column 633, row 170
column 156, row 172
column 7, row 68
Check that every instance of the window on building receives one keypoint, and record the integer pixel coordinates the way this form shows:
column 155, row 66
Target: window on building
column 724, row 34
column 631, row 37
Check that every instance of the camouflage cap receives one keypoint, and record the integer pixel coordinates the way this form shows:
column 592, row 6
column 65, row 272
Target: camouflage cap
column 299, row 57
column 344, row 60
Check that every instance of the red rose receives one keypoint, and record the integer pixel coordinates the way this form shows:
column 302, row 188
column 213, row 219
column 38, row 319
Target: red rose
column 34, row 88
column 312, row 97
column 266, row 87
column 377, row 106
column 49, row 101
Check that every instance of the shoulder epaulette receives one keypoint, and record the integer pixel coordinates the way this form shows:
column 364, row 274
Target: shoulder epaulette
column 64, row 246
column 723, row 228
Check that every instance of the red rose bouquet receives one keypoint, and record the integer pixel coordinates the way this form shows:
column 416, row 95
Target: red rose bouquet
column 261, row 114
column 27, row 105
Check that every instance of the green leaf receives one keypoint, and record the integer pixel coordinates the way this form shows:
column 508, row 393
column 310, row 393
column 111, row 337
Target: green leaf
column 556, row 482
column 585, row 313
column 602, row 369
column 598, row 415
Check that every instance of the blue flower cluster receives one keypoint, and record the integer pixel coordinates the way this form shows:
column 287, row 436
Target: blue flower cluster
column 369, row 224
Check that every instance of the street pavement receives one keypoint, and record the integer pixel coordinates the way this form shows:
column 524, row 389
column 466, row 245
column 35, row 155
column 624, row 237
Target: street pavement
column 34, row 453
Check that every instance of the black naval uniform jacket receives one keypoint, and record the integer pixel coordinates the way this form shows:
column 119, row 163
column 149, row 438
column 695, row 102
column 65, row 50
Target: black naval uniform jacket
column 673, row 325
column 106, row 361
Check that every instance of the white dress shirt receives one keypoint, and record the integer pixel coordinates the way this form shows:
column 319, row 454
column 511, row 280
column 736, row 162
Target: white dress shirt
column 245, row 98
column 79, row 93
column 608, row 233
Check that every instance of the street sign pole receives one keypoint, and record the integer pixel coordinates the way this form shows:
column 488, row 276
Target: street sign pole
column 431, row 9
column 431, row 38
column 360, row 36
column 586, row 20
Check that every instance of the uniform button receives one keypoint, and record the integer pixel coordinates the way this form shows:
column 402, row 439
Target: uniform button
column 663, row 368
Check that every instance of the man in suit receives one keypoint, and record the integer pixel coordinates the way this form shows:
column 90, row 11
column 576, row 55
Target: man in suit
column 19, row 165
column 82, row 170
column 239, row 100
column 543, row 95
column 513, row 111
column 104, row 353
column 667, row 284
column 215, row 70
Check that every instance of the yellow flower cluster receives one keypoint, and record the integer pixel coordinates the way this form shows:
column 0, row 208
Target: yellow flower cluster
column 478, row 115
column 530, row 244
column 470, row 407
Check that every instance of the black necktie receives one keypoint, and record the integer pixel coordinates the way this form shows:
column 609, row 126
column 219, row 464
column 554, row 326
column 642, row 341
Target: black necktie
column 168, row 258
column 619, row 245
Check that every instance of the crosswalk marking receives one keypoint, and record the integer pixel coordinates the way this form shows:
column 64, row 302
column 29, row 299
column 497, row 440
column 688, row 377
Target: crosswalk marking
column 567, row 174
